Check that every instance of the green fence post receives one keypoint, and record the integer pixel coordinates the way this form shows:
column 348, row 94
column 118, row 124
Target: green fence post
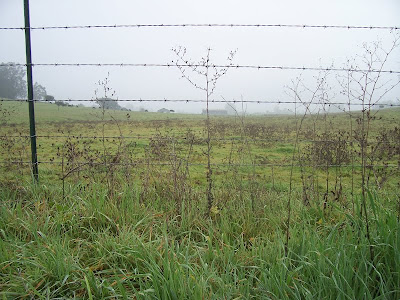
column 35, row 169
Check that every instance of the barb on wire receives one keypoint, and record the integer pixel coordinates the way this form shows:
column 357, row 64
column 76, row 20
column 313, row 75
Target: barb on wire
column 184, row 139
column 203, row 164
column 229, row 66
column 252, row 101
column 209, row 25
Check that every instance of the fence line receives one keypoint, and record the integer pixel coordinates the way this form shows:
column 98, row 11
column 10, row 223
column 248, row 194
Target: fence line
column 197, row 139
column 84, row 163
column 230, row 66
column 209, row 25
column 195, row 66
column 212, row 101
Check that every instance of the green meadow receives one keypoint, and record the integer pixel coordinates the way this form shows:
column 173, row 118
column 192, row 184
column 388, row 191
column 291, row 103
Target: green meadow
column 303, row 207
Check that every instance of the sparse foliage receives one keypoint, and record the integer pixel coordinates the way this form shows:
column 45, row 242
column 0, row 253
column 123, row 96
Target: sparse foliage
column 106, row 101
column 209, row 75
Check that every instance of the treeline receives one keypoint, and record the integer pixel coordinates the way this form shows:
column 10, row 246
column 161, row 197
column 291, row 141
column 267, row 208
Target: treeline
column 13, row 83
column 13, row 86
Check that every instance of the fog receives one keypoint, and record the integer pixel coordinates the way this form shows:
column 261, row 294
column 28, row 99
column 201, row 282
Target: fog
column 264, row 46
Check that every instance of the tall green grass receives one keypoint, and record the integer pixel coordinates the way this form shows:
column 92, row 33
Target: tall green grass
column 91, row 245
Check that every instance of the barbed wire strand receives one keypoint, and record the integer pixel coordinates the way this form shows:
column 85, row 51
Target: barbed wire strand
column 89, row 163
column 205, row 101
column 170, row 65
column 208, row 25
column 189, row 139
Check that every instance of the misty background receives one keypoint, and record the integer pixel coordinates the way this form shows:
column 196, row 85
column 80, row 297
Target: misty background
column 292, row 47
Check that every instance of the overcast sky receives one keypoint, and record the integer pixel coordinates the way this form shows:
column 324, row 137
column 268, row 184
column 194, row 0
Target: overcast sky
column 256, row 46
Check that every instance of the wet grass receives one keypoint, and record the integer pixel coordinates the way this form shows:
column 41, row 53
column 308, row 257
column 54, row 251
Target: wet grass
column 93, row 246
column 124, row 216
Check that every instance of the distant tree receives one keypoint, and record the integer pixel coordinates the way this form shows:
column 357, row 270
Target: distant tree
column 39, row 92
column 49, row 98
column 12, row 81
column 60, row 103
column 108, row 103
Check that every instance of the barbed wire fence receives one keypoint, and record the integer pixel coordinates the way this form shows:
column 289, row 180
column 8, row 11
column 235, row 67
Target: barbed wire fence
column 328, row 147
column 305, row 26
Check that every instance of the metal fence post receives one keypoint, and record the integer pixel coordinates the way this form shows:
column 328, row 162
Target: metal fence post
column 31, row 102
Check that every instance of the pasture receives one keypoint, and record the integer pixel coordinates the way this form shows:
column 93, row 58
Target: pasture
column 302, row 207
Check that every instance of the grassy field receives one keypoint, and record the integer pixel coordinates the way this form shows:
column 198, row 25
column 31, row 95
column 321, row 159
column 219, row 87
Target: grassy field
column 304, row 207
